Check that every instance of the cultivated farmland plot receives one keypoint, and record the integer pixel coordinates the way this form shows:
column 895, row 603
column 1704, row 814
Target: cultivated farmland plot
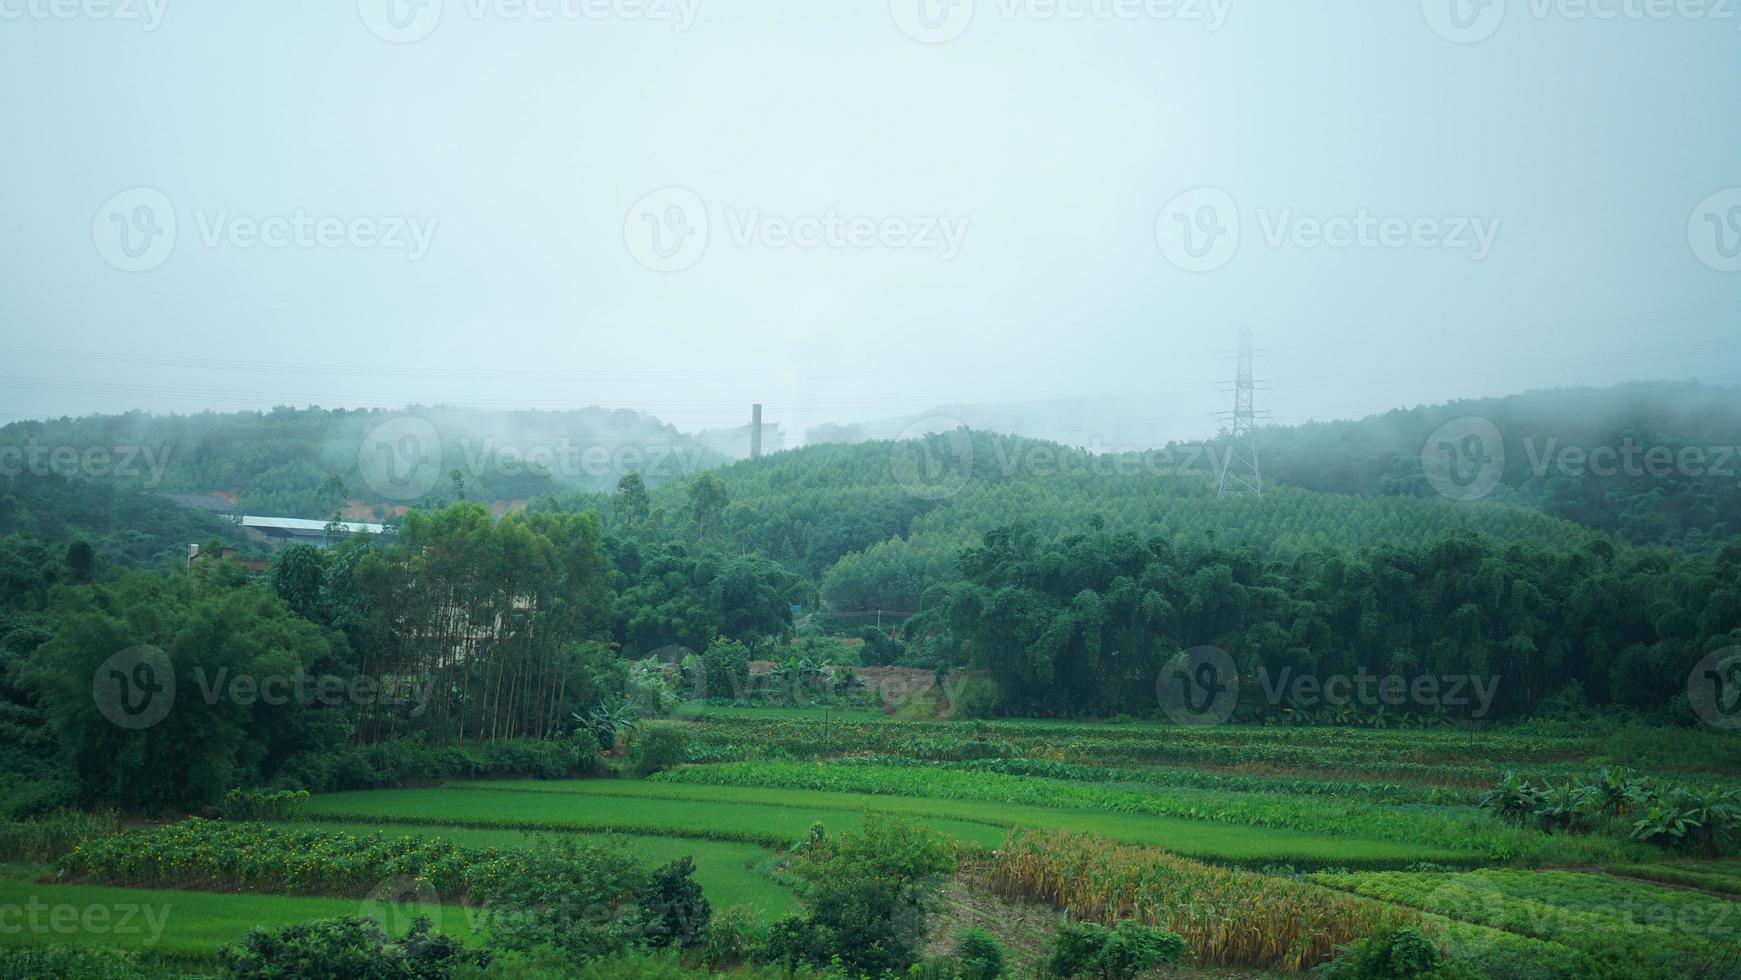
column 1263, row 858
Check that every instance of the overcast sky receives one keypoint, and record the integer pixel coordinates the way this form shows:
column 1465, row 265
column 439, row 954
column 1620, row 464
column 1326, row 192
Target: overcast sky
column 853, row 210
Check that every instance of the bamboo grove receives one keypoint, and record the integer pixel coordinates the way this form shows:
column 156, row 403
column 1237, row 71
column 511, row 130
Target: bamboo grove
column 499, row 621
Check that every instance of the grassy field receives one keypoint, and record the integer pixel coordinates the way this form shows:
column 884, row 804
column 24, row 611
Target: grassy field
column 1226, row 834
column 729, row 873
column 786, row 813
column 180, row 925
column 1637, row 929
column 803, row 713
column 617, row 806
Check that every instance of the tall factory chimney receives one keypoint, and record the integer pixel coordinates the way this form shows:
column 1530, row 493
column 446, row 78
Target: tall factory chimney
column 755, row 431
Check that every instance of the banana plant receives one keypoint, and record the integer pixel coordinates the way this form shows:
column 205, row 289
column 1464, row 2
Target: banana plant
column 1514, row 799
column 606, row 723
column 1561, row 808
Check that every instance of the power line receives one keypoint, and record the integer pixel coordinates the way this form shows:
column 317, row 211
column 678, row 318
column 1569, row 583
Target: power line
column 1240, row 473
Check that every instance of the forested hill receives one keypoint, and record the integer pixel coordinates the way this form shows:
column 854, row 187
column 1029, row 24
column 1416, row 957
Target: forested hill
column 876, row 523
column 368, row 463
column 123, row 525
column 1652, row 464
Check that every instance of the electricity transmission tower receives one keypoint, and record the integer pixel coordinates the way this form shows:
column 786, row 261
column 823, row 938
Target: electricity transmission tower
column 1239, row 470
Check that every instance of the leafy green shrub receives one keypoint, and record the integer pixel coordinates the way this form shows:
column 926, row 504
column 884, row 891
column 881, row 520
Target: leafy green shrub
column 868, row 896
column 1394, row 954
column 411, row 761
column 1704, row 822
column 225, row 856
column 573, row 895
column 725, row 669
column 978, row 955
column 634, row 964
column 673, row 910
column 48, row 838
column 1091, row 949
column 657, row 747
column 732, row 937
column 228, row 856
column 1709, row 824
column 254, row 804
column 83, row 962
column 347, row 949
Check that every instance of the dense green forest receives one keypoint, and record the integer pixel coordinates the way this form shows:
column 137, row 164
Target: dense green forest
column 307, row 463
column 1680, row 485
column 1069, row 580
column 123, row 524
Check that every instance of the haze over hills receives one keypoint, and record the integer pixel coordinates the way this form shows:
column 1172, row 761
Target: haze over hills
column 873, row 523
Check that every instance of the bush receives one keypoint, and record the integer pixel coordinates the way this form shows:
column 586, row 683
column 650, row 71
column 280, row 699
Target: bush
column 1394, row 954
column 411, row 761
column 1089, row 949
column 978, row 955
column 83, row 962
column 657, row 747
column 867, row 899
column 673, row 910
column 347, row 949
column 732, row 936
column 573, row 895
column 725, row 669
column 47, row 839
column 254, row 804
column 548, row 964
